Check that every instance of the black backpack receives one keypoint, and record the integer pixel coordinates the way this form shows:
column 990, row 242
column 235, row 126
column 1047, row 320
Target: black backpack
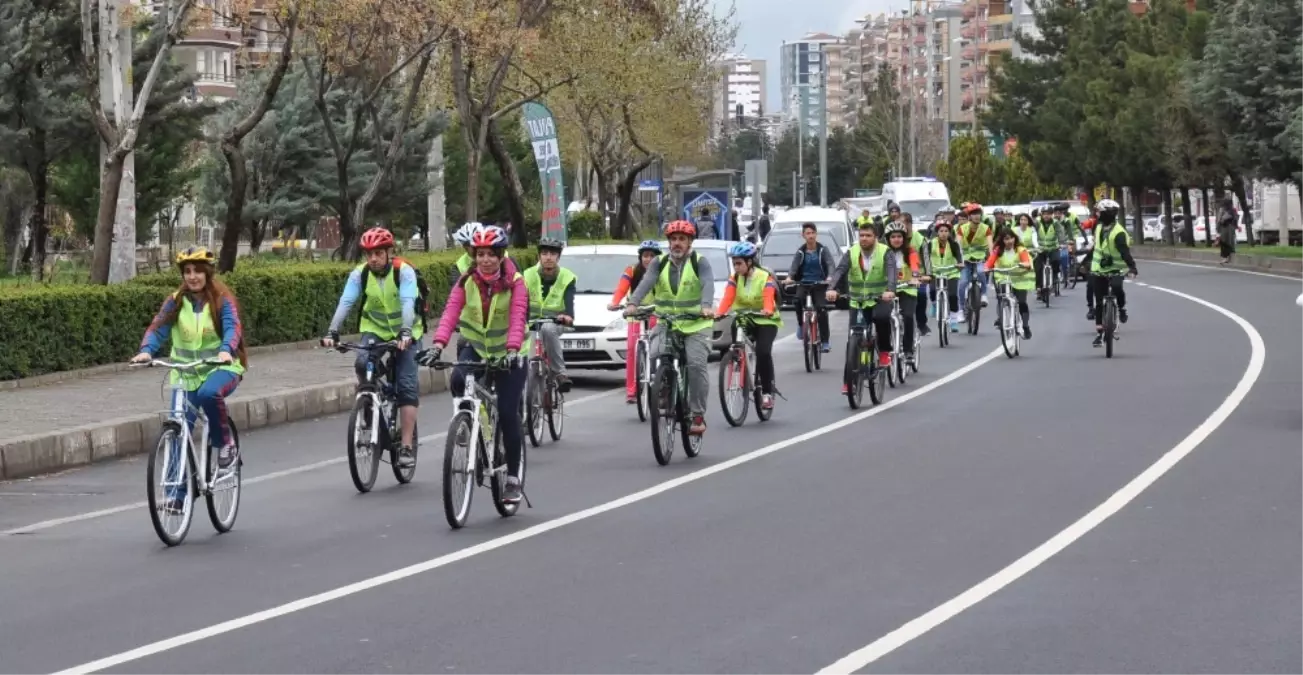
column 422, row 289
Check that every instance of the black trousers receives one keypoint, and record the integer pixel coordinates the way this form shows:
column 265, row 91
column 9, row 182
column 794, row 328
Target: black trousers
column 764, row 336
column 1099, row 284
column 816, row 293
column 880, row 315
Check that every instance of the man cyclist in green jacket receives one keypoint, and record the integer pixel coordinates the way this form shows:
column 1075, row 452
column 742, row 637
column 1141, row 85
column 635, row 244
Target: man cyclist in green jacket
column 871, row 275
column 1111, row 257
column 552, row 295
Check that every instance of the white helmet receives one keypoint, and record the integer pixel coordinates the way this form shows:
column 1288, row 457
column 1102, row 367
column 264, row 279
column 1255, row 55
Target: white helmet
column 1107, row 205
column 465, row 232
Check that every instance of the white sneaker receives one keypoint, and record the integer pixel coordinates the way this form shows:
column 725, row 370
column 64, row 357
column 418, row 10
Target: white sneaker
column 984, row 302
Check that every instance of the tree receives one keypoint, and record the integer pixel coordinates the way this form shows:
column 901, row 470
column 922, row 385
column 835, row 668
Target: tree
column 972, row 174
column 119, row 135
column 878, row 134
column 234, row 132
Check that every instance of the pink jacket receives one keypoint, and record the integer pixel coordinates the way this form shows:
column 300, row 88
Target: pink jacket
column 488, row 288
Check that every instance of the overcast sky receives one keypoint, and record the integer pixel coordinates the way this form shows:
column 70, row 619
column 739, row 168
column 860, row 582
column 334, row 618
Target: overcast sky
column 764, row 24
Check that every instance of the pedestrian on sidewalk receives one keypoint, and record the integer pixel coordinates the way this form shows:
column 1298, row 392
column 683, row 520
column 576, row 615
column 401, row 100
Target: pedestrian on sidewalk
column 202, row 319
column 1227, row 220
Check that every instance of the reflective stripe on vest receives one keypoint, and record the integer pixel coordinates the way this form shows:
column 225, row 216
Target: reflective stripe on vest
column 1106, row 245
column 195, row 337
column 487, row 338
column 973, row 240
column 865, row 288
column 686, row 301
column 1023, row 279
column 944, row 257
column 555, row 302
column 382, row 309
column 749, row 296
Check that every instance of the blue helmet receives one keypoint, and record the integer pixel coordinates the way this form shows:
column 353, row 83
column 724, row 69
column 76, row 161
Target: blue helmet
column 649, row 245
column 742, row 249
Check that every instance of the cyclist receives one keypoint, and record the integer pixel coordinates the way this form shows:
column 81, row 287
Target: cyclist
column 871, row 275
column 811, row 264
column 1026, row 232
column 752, row 289
column 648, row 251
column 1071, row 226
column 1088, row 243
column 944, row 251
column 1049, row 235
column 975, row 236
column 681, row 282
column 1009, row 252
column 388, row 292
column 1001, row 218
column 918, row 243
column 490, row 306
column 552, row 294
column 907, row 264
column 1112, row 255
column 466, row 260
column 202, row 319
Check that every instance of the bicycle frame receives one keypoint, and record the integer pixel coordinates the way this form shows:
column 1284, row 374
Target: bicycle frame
column 383, row 408
column 483, row 402
column 179, row 407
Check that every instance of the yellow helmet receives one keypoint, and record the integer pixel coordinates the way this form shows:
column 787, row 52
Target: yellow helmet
column 195, row 254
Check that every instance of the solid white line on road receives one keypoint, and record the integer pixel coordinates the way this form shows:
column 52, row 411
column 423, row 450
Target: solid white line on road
column 1215, row 268
column 527, row 533
column 90, row 515
column 901, row 636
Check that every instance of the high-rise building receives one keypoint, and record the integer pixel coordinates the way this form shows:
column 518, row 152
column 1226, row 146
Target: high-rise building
column 216, row 49
column 812, row 74
column 741, row 82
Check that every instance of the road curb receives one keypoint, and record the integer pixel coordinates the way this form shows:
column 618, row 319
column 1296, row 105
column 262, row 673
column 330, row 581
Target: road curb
column 1211, row 257
column 37, row 454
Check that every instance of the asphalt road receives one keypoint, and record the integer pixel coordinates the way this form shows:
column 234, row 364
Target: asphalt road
column 787, row 546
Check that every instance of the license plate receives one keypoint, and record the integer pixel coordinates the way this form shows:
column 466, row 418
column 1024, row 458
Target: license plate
column 578, row 344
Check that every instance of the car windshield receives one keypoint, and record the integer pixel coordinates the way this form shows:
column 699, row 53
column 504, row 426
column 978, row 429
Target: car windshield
column 923, row 210
column 781, row 244
column 597, row 273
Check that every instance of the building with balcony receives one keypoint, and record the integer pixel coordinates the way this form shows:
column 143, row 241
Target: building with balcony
column 812, row 77
column 739, row 87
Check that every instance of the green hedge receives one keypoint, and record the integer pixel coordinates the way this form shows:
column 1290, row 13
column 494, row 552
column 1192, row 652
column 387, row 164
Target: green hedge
column 46, row 329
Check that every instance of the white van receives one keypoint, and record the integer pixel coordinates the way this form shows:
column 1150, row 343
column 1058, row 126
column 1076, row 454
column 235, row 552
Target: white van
column 919, row 197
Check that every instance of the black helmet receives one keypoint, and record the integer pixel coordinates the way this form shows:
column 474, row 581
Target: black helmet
column 548, row 243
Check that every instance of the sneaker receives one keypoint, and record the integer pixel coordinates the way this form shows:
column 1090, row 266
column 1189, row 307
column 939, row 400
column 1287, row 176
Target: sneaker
column 767, row 401
column 1090, row 315
column 1122, row 315
column 909, row 358
column 924, row 330
column 1026, row 332
column 1099, row 340
column 562, row 383
column 511, row 490
column 827, row 347
column 698, row 425
column 174, row 505
column 406, row 458
column 631, row 400
column 984, row 301
column 227, row 456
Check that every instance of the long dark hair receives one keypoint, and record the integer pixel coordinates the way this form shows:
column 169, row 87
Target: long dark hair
column 999, row 240
column 1031, row 222
column 214, row 292
column 638, row 272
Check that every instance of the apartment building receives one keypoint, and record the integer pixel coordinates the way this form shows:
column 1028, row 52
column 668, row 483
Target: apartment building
column 740, row 81
column 217, row 49
column 921, row 48
column 812, row 77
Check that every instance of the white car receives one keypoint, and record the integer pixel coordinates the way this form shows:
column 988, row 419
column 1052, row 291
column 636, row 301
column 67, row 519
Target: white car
column 599, row 337
column 824, row 218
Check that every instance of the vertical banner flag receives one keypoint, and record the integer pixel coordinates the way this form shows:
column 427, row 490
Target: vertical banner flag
column 547, row 154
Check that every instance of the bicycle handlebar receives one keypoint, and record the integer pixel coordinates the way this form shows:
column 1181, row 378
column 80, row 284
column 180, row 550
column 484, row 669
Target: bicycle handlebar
column 191, row 365
column 342, row 347
column 488, row 366
column 1007, row 270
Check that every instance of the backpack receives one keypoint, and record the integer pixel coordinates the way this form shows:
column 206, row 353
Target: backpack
column 422, row 289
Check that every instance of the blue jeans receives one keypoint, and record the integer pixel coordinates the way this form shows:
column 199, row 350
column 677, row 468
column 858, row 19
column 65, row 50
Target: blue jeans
column 1065, row 261
column 510, row 386
column 407, row 388
column 966, row 276
column 210, row 397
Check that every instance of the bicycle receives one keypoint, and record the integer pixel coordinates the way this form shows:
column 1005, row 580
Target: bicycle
column 642, row 361
column 198, row 474
column 669, row 394
column 1109, row 320
column 374, row 425
column 942, row 304
column 862, row 363
column 973, row 298
column 1069, row 266
column 1010, row 318
column 543, row 397
column 475, row 420
column 896, row 374
column 812, row 344
column 737, row 378
column 1048, row 280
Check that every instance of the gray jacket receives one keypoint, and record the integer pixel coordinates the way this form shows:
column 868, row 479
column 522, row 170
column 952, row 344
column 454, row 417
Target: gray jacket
column 704, row 273
column 893, row 269
column 826, row 261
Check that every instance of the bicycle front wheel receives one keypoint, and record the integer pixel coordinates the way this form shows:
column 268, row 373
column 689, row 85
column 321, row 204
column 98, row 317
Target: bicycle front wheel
column 809, row 346
column 223, row 498
column 534, row 405
column 499, row 480
column 168, row 485
column 404, row 475
column 662, row 410
column 732, row 390
column 943, row 318
column 641, row 394
column 458, row 449
column 363, row 455
column 1110, row 326
column 852, row 375
column 691, row 443
column 556, row 411
column 1007, row 337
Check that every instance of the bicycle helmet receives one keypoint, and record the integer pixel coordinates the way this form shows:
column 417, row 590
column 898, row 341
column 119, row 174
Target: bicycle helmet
column 490, row 237
column 893, row 228
column 946, row 210
column 649, row 245
column 1107, row 205
column 377, row 237
column 681, row 227
column 551, row 244
column 195, row 254
column 973, row 207
column 465, row 232
column 999, row 211
column 942, row 223
column 742, row 249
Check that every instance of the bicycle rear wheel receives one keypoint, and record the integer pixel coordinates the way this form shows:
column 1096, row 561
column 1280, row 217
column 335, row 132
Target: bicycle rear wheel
column 642, row 396
column 661, row 409
column 943, row 317
column 223, row 498
column 809, row 347
column 556, row 411
column 733, row 399
column 498, row 482
column 363, row 455
column 534, row 384
column 404, row 475
column 1110, row 326
column 918, row 351
column 169, row 486
column 457, row 480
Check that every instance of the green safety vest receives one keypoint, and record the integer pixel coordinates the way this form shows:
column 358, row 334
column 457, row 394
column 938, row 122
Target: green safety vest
column 555, row 302
column 903, row 275
column 1025, row 237
column 1071, row 225
column 1047, row 234
column 1106, row 245
column 686, row 301
column 464, row 263
column 866, row 287
column 944, row 257
column 382, row 310
column 194, row 338
column 750, row 296
column 917, row 240
column 973, row 240
column 1023, row 279
column 487, row 338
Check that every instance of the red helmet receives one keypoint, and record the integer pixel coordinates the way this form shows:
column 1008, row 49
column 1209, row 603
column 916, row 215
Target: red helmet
column 489, row 237
column 971, row 208
column 377, row 237
column 681, row 227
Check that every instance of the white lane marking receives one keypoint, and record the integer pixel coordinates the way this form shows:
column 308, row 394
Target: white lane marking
column 1296, row 280
column 90, row 515
column 500, row 542
column 901, row 636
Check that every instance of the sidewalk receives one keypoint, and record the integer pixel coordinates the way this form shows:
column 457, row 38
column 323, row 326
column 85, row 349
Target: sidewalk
column 1209, row 256
column 111, row 411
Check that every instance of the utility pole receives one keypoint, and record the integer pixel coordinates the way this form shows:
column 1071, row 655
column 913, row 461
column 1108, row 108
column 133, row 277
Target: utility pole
column 823, row 137
column 800, row 152
column 116, row 100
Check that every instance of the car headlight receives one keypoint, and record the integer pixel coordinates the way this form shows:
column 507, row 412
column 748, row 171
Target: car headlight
column 618, row 324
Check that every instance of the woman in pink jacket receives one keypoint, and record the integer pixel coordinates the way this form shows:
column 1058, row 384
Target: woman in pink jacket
column 491, row 278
